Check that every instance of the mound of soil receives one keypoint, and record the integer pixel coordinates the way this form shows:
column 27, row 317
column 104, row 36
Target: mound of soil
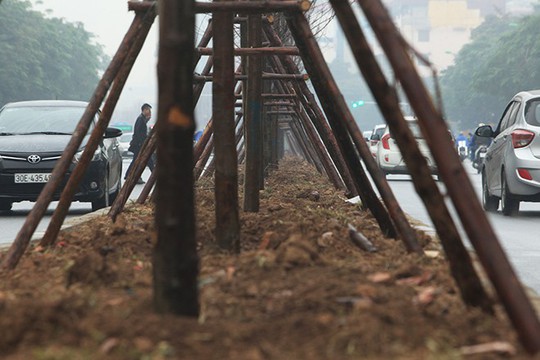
column 299, row 289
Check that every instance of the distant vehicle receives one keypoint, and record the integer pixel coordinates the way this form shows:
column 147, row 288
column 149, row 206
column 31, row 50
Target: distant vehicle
column 462, row 149
column 375, row 137
column 479, row 156
column 33, row 136
column 511, row 169
column 389, row 157
column 367, row 135
column 124, row 141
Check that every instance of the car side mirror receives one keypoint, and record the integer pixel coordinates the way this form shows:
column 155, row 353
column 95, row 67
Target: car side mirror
column 112, row 132
column 484, row 131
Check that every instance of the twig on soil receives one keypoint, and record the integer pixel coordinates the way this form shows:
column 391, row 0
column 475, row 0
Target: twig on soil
column 360, row 240
column 501, row 347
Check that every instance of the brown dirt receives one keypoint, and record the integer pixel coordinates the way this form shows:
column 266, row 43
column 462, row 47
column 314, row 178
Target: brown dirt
column 300, row 289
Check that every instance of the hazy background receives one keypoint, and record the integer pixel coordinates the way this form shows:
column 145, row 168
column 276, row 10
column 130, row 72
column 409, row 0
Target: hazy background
column 436, row 28
column 109, row 20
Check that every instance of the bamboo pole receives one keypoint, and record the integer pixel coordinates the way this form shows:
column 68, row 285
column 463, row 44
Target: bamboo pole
column 147, row 150
column 471, row 214
column 225, row 156
column 235, row 6
column 287, row 50
column 205, row 155
column 175, row 260
column 265, row 76
column 268, row 97
column 252, row 119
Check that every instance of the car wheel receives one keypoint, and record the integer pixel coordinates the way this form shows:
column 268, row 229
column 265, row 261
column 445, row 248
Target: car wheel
column 509, row 205
column 103, row 201
column 99, row 203
column 5, row 205
column 489, row 202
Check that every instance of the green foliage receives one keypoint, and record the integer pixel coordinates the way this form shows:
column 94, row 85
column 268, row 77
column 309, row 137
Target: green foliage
column 501, row 60
column 45, row 58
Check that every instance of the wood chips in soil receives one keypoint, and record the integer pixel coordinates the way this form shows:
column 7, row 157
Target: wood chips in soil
column 299, row 289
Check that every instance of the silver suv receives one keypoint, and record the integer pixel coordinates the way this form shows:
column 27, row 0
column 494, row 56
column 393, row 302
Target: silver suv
column 511, row 170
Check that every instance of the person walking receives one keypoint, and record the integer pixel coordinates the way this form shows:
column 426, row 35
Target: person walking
column 140, row 132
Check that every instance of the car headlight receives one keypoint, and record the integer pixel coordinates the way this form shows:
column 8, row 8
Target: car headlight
column 95, row 157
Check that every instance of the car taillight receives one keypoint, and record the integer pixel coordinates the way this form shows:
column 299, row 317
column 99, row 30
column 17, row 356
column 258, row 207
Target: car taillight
column 524, row 174
column 521, row 138
column 384, row 141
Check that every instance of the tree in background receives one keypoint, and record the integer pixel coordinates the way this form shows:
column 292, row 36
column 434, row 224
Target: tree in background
column 501, row 60
column 45, row 58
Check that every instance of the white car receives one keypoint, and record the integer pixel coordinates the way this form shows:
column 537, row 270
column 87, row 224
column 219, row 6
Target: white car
column 124, row 144
column 376, row 135
column 389, row 157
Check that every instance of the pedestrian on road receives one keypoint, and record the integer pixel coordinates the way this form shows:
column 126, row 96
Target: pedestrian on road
column 140, row 132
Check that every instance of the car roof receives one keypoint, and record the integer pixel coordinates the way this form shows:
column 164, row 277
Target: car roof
column 48, row 103
column 528, row 94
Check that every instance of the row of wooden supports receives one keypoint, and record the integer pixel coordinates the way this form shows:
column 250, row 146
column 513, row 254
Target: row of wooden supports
column 327, row 137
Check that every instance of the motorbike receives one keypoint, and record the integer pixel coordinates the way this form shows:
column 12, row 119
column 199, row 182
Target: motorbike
column 462, row 149
column 479, row 156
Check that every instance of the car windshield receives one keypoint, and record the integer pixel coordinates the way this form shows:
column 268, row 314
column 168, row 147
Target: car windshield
column 40, row 119
column 532, row 112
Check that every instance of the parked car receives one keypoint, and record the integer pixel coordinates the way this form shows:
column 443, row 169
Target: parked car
column 511, row 169
column 124, row 141
column 389, row 157
column 33, row 136
column 375, row 137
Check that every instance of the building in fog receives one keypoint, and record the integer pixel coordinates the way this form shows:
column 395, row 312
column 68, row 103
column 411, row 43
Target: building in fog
column 440, row 28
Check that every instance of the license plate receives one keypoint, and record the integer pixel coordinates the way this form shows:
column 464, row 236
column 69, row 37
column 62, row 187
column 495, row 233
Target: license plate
column 32, row 178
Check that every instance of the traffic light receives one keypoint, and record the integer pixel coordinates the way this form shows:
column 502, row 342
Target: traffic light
column 358, row 103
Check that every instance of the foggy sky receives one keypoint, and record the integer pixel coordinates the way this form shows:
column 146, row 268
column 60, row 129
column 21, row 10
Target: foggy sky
column 109, row 21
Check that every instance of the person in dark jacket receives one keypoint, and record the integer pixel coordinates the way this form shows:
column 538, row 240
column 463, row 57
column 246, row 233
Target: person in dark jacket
column 140, row 132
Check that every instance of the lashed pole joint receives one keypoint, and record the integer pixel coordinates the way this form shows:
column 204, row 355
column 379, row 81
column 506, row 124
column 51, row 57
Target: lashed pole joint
column 235, row 6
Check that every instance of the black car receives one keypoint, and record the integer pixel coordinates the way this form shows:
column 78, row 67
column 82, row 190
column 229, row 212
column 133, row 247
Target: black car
column 33, row 136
